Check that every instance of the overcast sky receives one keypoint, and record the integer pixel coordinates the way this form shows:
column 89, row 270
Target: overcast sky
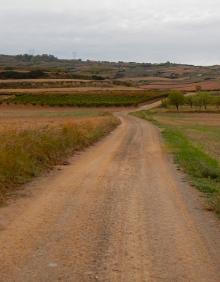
column 139, row 30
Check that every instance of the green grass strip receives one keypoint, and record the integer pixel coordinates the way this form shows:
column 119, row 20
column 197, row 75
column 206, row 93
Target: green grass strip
column 106, row 99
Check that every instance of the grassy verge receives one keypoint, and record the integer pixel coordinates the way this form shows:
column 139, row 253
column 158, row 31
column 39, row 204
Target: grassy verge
column 202, row 169
column 88, row 99
column 25, row 154
column 147, row 115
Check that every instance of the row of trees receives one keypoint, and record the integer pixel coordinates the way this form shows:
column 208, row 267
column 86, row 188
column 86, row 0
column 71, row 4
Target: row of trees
column 200, row 100
column 22, row 75
column 37, row 58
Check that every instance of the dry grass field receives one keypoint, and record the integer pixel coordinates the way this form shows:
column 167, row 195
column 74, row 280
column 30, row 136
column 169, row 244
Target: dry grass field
column 203, row 129
column 182, row 85
column 34, row 139
column 26, row 116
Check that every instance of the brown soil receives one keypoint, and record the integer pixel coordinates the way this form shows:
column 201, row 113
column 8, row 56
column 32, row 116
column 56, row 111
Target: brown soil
column 206, row 85
column 118, row 212
column 43, row 80
column 64, row 90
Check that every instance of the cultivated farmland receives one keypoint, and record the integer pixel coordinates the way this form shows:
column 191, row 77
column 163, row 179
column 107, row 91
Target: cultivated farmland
column 97, row 98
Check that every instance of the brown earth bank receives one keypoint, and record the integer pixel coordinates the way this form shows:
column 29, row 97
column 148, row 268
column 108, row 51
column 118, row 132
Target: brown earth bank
column 183, row 86
column 66, row 90
column 119, row 212
column 43, row 80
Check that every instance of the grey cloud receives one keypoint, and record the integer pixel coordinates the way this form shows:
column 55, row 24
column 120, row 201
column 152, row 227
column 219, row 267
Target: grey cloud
column 187, row 31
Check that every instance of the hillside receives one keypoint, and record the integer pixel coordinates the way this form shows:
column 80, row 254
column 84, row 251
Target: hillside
column 150, row 76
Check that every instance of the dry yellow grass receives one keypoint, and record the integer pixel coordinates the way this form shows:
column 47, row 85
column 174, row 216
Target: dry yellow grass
column 28, row 116
column 27, row 152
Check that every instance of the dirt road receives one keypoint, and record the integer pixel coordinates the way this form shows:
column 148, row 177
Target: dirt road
column 120, row 212
column 64, row 90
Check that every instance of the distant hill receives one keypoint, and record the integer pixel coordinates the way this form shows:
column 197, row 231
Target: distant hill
column 52, row 67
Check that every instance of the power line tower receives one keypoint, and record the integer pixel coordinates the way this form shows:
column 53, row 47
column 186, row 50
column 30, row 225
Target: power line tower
column 31, row 52
column 74, row 55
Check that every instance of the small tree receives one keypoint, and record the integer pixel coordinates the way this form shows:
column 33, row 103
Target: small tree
column 176, row 99
column 189, row 101
column 197, row 101
column 205, row 99
column 164, row 103
column 216, row 102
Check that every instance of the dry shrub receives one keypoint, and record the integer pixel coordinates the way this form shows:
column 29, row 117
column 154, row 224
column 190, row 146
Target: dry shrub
column 215, row 203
